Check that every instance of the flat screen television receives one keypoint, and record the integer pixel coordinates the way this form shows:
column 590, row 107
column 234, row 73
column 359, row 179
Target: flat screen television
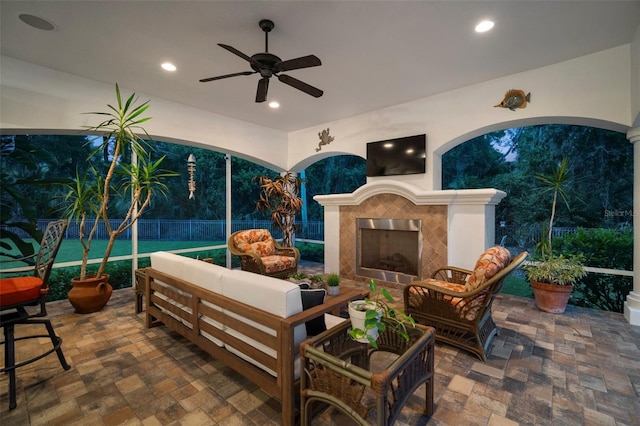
column 399, row 156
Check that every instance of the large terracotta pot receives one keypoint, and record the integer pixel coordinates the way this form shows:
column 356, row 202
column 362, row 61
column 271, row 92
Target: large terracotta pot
column 91, row 294
column 551, row 297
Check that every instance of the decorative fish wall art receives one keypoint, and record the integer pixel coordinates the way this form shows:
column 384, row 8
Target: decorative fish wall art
column 515, row 99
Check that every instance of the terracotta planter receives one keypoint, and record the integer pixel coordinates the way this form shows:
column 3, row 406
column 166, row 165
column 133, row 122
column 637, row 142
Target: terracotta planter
column 90, row 295
column 550, row 297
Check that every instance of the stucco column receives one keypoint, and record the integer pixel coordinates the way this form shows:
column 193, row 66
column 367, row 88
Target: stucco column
column 632, row 304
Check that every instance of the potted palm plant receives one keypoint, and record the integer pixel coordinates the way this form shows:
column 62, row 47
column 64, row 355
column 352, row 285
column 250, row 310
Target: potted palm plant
column 89, row 196
column 552, row 277
column 373, row 315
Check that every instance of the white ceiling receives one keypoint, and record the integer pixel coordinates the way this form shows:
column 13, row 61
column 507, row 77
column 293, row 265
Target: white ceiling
column 374, row 53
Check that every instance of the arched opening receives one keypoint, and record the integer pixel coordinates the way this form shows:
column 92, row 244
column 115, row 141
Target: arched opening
column 595, row 220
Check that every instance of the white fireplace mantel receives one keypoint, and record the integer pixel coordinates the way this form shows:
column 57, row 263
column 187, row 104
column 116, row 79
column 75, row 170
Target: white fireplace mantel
column 470, row 217
column 413, row 193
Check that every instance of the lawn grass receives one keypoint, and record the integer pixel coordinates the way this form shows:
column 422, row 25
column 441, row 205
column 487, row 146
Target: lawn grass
column 517, row 285
column 71, row 250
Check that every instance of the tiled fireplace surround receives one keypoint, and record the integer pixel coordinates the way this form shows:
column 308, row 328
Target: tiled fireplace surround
column 457, row 225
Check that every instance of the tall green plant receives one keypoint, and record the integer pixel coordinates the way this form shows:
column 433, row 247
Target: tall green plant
column 558, row 270
column 556, row 183
column 88, row 197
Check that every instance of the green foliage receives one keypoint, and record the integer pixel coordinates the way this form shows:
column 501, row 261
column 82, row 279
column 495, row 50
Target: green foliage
column 558, row 269
column 604, row 248
column 381, row 315
column 311, row 252
column 332, row 175
column 60, row 279
column 26, row 168
column 333, row 280
column 519, row 154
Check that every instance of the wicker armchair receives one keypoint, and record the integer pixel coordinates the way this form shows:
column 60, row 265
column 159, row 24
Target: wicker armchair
column 259, row 252
column 457, row 302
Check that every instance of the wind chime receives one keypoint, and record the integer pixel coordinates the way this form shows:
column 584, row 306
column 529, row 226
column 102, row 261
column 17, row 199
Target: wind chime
column 191, row 168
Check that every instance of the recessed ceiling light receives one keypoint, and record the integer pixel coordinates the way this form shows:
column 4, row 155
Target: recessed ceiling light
column 274, row 104
column 484, row 26
column 168, row 66
column 37, row 22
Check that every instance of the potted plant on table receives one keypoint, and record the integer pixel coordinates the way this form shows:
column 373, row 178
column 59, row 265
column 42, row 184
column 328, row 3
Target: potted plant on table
column 552, row 276
column 333, row 284
column 372, row 316
column 91, row 196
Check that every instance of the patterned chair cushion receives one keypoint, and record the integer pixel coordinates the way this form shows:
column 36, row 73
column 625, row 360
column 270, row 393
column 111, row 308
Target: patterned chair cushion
column 277, row 263
column 255, row 241
column 467, row 308
column 489, row 264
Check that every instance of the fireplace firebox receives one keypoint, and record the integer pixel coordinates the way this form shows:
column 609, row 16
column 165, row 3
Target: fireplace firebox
column 389, row 249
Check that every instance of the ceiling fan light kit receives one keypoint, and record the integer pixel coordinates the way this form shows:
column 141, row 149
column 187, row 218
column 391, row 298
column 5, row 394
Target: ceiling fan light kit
column 267, row 65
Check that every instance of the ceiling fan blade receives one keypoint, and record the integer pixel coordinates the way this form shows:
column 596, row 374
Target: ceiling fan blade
column 242, row 55
column 263, row 86
column 300, row 85
column 220, row 77
column 296, row 64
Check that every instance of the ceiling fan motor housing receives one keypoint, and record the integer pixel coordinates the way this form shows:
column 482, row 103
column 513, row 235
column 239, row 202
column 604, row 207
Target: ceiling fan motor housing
column 268, row 62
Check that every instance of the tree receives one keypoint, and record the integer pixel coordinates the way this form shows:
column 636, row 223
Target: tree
column 279, row 197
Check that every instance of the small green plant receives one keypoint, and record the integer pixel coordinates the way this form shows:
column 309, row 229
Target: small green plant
column 380, row 315
column 333, row 280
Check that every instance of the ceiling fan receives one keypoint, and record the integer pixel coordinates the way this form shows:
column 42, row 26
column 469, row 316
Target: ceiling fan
column 268, row 65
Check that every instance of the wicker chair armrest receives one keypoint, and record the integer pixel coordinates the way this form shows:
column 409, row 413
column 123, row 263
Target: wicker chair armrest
column 287, row 251
column 452, row 274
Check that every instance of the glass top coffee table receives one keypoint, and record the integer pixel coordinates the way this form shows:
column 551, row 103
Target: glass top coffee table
column 337, row 371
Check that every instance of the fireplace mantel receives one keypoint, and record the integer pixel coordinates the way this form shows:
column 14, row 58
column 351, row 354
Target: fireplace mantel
column 464, row 219
column 414, row 194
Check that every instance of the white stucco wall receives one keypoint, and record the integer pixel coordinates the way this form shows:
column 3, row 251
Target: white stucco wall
column 34, row 97
column 593, row 90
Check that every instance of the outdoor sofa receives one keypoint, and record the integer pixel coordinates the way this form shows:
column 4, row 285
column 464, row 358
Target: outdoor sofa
column 252, row 323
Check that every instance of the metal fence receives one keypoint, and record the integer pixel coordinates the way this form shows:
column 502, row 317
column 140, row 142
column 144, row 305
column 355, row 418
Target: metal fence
column 215, row 230
column 186, row 230
column 527, row 235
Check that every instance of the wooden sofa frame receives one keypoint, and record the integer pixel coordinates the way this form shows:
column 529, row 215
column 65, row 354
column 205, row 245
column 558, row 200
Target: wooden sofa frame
column 284, row 387
column 446, row 310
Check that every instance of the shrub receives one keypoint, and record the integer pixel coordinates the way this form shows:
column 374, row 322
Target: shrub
column 601, row 248
column 311, row 252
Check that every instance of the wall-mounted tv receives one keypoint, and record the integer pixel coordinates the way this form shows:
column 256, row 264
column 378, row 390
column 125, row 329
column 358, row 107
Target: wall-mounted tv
column 399, row 156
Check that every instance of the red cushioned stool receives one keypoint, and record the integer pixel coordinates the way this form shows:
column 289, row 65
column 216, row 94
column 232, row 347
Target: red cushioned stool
column 18, row 293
